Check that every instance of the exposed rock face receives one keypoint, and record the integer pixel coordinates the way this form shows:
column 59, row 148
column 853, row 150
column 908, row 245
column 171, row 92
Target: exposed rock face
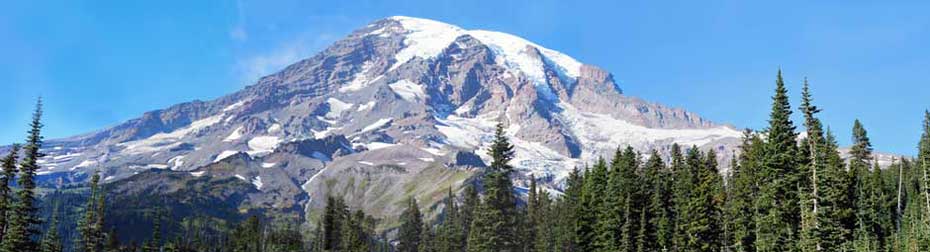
column 403, row 106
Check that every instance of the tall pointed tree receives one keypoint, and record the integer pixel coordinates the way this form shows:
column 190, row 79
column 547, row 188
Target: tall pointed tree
column 89, row 233
column 51, row 242
column 860, row 188
column 743, row 191
column 778, row 201
column 23, row 224
column 499, row 208
column 411, row 228
column 6, row 192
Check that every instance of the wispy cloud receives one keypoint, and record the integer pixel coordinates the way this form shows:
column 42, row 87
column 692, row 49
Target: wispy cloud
column 255, row 66
column 238, row 32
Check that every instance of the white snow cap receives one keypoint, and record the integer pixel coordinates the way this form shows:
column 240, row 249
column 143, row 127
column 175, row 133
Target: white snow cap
column 426, row 38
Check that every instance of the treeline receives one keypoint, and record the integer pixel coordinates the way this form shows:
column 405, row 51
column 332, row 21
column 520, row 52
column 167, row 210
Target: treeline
column 785, row 191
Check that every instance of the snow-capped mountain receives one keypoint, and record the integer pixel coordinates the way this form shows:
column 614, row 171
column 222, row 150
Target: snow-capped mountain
column 406, row 104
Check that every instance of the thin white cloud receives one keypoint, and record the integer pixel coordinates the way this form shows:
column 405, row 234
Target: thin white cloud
column 238, row 32
column 255, row 66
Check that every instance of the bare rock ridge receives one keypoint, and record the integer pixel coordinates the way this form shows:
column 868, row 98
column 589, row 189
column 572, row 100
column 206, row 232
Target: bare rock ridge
column 403, row 106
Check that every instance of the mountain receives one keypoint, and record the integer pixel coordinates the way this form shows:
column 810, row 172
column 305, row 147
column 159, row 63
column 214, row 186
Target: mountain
column 401, row 107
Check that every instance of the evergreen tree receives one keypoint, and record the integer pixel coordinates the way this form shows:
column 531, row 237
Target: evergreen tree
column 546, row 240
column 87, row 227
column 568, row 208
column 654, row 231
column 532, row 219
column 682, row 186
column 52, row 240
column 410, row 228
column 861, row 189
column 743, row 191
column 6, row 193
column 451, row 236
column 23, row 219
column 498, row 212
column 835, row 205
column 604, row 199
column 332, row 222
column 778, row 207
column 703, row 231
column 661, row 202
column 481, row 237
column 427, row 239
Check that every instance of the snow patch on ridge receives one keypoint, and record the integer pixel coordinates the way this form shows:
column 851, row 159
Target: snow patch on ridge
column 376, row 125
column 224, row 154
column 235, row 135
column 408, row 90
column 163, row 141
column 262, row 145
column 336, row 107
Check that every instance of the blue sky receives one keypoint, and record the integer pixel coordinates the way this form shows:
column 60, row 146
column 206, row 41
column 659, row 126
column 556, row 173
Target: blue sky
column 98, row 63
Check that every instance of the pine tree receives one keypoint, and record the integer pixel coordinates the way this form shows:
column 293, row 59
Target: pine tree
column 681, row 195
column 411, row 228
column 23, row 219
column 743, row 191
column 545, row 224
column 569, row 208
column 52, row 240
column 427, row 239
column 451, row 236
column 482, row 237
column 532, row 219
column 661, row 202
column 470, row 201
column 605, row 199
column 861, row 188
column 632, row 202
column 703, row 231
column 654, row 232
column 778, row 203
column 6, row 193
column 498, row 211
column 332, row 222
column 827, row 197
column 87, row 227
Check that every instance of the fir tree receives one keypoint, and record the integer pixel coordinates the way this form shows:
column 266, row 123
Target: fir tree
column 496, row 218
column 654, row 221
column 778, row 203
column 703, row 232
column 532, row 219
column 545, row 224
column 410, row 228
column 51, row 242
column 6, row 193
column 23, row 219
column 87, row 227
column 604, row 199
column 743, row 191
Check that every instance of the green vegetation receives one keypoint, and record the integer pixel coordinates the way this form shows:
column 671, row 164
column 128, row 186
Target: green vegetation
column 781, row 193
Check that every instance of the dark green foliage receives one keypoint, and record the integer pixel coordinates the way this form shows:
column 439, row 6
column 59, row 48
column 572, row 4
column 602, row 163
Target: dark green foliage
column 777, row 205
column 411, row 228
column 6, row 193
column 495, row 224
column 51, row 242
column 22, row 223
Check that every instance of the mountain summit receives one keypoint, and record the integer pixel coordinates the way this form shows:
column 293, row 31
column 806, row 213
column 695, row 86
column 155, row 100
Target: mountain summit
column 403, row 105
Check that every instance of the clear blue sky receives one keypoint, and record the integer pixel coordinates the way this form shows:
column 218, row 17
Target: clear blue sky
column 98, row 63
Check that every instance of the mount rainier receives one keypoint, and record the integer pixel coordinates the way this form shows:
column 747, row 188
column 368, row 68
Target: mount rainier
column 401, row 107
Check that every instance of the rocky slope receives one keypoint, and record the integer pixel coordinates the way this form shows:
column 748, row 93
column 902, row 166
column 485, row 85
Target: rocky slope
column 401, row 107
